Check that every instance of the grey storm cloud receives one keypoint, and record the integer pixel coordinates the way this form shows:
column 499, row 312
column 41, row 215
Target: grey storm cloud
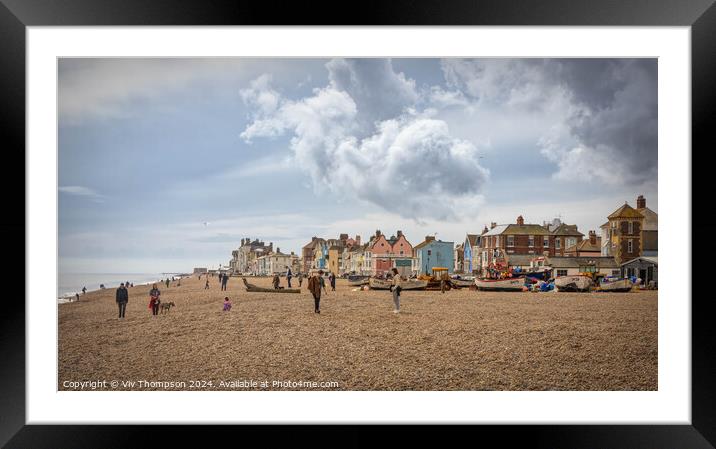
column 378, row 91
column 605, row 109
column 360, row 138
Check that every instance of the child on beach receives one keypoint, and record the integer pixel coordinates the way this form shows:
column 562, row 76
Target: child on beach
column 227, row 304
column 154, row 300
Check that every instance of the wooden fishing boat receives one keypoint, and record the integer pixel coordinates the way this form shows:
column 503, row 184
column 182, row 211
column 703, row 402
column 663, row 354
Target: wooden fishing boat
column 462, row 283
column 617, row 285
column 541, row 273
column 384, row 284
column 577, row 283
column 256, row 289
column 501, row 285
column 357, row 281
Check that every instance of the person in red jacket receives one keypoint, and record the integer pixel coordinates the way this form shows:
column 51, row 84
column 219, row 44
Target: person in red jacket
column 154, row 300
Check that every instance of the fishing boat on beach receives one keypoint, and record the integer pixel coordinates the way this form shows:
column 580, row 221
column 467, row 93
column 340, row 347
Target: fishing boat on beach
column 384, row 284
column 615, row 285
column 256, row 289
column 462, row 283
column 576, row 283
column 501, row 285
column 357, row 280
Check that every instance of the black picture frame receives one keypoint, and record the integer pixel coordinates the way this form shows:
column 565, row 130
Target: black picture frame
column 16, row 15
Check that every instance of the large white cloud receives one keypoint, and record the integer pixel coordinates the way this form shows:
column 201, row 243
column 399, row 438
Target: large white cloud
column 370, row 145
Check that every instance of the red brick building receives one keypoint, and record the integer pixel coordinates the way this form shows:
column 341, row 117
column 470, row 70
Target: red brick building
column 501, row 241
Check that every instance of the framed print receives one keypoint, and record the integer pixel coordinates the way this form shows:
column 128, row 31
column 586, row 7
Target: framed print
column 378, row 224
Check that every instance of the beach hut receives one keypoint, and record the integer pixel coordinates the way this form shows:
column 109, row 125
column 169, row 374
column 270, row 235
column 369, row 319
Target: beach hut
column 646, row 268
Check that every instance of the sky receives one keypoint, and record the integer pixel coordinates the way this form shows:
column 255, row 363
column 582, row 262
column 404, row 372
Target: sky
column 166, row 164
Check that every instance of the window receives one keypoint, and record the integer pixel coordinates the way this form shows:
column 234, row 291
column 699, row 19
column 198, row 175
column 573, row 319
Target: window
column 561, row 272
column 531, row 241
column 498, row 241
column 558, row 243
column 430, row 252
column 571, row 241
column 614, row 224
column 401, row 252
column 631, row 228
column 545, row 242
column 630, row 245
column 510, row 240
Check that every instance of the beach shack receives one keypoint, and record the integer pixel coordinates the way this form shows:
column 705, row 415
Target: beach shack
column 433, row 253
column 646, row 268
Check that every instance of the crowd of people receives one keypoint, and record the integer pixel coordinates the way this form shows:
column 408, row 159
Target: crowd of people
column 317, row 285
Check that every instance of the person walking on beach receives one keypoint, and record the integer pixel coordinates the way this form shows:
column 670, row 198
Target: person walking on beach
column 396, row 288
column 77, row 297
column 314, row 286
column 322, row 280
column 276, row 281
column 206, row 286
column 122, row 297
column 154, row 300
column 332, row 280
column 84, row 290
column 300, row 280
column 224, row 281
column 167, row 282
column 289, row 275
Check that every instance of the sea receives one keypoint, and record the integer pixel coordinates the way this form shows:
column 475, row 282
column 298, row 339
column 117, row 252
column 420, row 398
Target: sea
column 70, row 283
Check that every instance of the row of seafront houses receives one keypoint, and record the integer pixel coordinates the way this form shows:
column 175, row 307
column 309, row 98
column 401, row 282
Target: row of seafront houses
column 626, row 246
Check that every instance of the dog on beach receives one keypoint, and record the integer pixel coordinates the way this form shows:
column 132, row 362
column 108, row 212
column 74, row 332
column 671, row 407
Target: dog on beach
column 165, row 306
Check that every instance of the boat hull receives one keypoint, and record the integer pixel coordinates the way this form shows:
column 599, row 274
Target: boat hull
column 618, row 286
column 500, row 285
column 251, row 288
column 462, row 283
column 357, row 281
column 384, row 284
column 573, row 283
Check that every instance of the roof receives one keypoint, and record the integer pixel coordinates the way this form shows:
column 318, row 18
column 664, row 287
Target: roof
column 527, row 229
column 520, row 259
column 651, row 259
column 497, row 230
column 572, row 262
column 605, row 225
column 312, row 243
column 651, row 219
column 472, row 238
column 626, row 211
column 427, row 242
column 565, row 229
column 586, row 245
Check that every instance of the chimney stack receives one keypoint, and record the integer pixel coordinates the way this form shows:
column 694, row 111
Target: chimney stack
column 520, row 220
column 400, row 234
column 641, row 202
column 429, row 238
column 278, row 250
column 358, row 240
column 492, row 225
column 377, row 233
column 485, row 230
column 593, row 237
column 242, row 242
column 343, row 237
